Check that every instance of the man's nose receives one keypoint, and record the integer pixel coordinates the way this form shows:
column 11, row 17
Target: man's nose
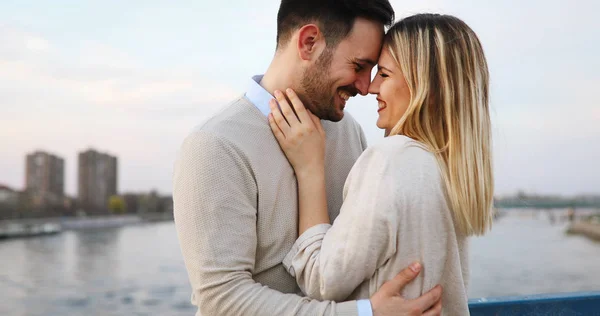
column 363, row 82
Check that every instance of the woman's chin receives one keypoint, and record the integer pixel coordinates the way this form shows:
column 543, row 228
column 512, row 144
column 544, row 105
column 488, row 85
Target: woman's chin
column 385, row 129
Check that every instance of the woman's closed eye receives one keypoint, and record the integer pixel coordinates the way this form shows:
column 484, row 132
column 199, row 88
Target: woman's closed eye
column 383, row 71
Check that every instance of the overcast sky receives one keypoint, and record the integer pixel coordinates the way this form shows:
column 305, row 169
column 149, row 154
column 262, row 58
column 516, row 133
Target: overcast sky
column 132, row 78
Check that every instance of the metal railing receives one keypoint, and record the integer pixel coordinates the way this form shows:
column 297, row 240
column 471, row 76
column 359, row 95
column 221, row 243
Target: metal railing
column 567, row 304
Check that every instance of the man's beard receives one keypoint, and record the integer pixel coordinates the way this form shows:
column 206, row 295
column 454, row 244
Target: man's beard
column 317, row 89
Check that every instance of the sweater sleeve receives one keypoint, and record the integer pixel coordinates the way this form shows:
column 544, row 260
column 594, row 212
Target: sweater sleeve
column 215, row 215
column 329, row 262
column 393, row 206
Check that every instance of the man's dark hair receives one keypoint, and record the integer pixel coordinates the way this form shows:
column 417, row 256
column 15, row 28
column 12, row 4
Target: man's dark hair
column 335, row 18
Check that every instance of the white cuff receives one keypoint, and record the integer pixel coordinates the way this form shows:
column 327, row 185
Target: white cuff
column 364, row 308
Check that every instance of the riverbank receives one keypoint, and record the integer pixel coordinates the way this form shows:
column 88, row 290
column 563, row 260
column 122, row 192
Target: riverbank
column 590, row 230
column 39, row 227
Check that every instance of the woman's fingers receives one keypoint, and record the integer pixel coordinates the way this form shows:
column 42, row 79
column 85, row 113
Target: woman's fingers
column 278, row 118
column 275, row 128
column 286, row 109
column 295, row 118
column 298, row 106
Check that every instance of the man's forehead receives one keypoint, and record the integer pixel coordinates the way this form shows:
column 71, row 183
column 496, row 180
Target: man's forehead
column 364, row 52
column 365, row 40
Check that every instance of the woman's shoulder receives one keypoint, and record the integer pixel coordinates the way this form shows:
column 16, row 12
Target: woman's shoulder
column 407, row 170
column 399, row 160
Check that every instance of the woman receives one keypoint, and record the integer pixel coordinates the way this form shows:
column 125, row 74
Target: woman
column 418, row 194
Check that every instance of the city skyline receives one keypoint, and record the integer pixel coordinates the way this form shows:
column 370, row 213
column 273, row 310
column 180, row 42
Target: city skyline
column 134, row 78
column 43, row 196
column 44, row 171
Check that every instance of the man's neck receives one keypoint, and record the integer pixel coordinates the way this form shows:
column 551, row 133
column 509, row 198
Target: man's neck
column 279, row 77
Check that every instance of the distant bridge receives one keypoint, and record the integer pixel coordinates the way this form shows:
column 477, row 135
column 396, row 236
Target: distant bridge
column 547, row 204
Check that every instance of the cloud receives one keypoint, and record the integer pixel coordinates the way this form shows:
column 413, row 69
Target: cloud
column 104, row 99
column 104, row 77
column 15, row 43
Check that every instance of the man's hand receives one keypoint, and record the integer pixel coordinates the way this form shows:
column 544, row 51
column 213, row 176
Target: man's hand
column 388, row 301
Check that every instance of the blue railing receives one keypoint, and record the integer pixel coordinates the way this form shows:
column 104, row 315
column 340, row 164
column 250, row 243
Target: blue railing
column 568, row 304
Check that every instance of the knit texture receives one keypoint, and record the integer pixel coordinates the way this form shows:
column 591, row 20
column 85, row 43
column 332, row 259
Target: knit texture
column 236, row 212
column 394, row 213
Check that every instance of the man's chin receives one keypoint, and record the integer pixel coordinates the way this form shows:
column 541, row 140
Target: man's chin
column 339, row 116
column 336, row 113
column 334, row 116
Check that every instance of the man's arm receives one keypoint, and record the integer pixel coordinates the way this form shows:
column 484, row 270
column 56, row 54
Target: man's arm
column 215, row 215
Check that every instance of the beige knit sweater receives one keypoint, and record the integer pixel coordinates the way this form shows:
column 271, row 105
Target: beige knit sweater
column 394, row 213
column 235, row 205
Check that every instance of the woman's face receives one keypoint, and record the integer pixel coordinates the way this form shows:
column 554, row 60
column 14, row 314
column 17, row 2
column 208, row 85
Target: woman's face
column 393, row 95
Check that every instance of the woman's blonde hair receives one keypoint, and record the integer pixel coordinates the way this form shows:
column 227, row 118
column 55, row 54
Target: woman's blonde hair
column 446, row 71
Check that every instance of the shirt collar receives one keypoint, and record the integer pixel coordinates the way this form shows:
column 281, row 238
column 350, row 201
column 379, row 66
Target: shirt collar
column 258, row 95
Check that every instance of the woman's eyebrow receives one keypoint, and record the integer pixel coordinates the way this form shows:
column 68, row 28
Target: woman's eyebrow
column 386, row 69
column 366, row 61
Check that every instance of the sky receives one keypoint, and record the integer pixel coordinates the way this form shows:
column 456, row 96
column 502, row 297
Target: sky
column 133, row 78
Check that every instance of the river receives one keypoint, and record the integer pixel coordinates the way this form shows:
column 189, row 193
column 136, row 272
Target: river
column 138, row 270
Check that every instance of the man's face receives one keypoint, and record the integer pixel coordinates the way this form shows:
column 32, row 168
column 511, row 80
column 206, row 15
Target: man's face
column 342, row 72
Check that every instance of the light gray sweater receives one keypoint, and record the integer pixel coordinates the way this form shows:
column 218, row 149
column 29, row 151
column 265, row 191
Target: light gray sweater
column 236, row 213
column 394, row 213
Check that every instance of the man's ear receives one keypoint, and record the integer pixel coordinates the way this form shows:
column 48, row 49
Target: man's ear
column 310, row 42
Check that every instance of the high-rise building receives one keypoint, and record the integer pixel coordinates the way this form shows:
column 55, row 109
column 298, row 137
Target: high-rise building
column 9, row 202
column 97, row 180
column 45, row 178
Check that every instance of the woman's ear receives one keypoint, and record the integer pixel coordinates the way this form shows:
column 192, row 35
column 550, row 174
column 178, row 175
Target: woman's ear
column 310, row 42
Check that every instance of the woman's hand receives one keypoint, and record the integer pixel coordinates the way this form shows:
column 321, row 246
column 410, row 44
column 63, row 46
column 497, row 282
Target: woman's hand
column 300, row 135
column 302, row 139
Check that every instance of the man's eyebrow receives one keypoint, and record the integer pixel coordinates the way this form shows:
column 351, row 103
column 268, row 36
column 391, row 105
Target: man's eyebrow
column 366, row 61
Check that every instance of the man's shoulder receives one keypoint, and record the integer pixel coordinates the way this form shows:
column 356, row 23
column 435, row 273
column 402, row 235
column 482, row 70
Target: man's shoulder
column 237, row 115
column 236, row 124
column 236, row 110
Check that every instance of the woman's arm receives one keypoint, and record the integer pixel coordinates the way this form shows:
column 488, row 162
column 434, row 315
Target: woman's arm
column 332, row 261
column 302, row 138
column 312, row 200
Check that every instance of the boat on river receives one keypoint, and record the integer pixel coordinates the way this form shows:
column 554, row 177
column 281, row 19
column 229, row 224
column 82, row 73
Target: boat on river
column 14, row 230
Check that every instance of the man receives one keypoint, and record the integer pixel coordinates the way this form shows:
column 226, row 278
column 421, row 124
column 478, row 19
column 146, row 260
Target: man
column 235, row 193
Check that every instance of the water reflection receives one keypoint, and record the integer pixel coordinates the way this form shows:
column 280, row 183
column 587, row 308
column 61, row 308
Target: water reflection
column 39, row 256
column 95, row 257
column 131, row 270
